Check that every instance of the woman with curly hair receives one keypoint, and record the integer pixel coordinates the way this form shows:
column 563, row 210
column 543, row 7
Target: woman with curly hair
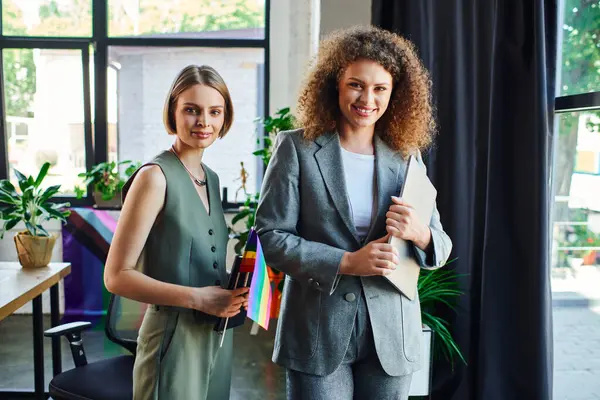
column 327, row 209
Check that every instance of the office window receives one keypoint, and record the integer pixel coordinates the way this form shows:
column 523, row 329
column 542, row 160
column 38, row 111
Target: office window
column 579, row 60
column 77, row 101
column 52, row 18
column 44, row 113
column 150, row 18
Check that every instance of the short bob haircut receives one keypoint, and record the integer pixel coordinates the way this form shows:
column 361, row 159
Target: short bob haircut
column 407, row 125
column 188, row 77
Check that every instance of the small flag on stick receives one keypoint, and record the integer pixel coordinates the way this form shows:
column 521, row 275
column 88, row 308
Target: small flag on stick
column 259, row 298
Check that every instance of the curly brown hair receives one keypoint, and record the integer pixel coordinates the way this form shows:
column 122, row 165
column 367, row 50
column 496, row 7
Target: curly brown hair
column 407, row 124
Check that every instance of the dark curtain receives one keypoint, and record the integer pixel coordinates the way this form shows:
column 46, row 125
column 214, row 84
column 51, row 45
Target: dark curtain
column 492, row 64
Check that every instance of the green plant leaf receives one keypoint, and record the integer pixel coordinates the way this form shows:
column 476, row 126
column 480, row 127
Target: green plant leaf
column 7, row 209
column 8, row 187
column 26, row 215
column 8, row 225
column 40, row 229
column 42, row 174
column 52, row 212
column 59, row 206
column 30, row 228
column 98, row 168
column 79, row 192
column 239, row 246
column 11, row 223
column 20, row 176
column 440, row 287
column 240, row 215
column 283, row 111
column 108, row 195
column 8, row 199
column 48, row 193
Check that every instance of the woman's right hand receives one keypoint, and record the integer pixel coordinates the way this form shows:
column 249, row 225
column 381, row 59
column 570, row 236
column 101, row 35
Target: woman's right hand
column 214, row 300
column 376, row 258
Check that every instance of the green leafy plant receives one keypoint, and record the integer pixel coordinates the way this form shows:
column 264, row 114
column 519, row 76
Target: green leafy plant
column 437, row 287
column 32, row 205
column 282, row 120
column 106, row 179
column 246, row 213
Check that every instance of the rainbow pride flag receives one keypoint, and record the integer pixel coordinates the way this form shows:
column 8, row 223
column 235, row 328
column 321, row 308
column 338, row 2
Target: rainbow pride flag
column 259, row 298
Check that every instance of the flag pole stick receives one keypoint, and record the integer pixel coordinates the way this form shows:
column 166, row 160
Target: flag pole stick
column 237, row 278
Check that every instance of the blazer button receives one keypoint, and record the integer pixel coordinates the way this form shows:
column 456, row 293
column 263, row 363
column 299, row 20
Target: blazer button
column 215, row 265
column 210, row 231
column 213, row 249
column 350, row 297
column 310, row 281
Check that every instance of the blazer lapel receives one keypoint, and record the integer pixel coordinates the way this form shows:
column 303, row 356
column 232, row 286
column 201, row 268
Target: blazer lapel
column 390, row 168
column 329, row 160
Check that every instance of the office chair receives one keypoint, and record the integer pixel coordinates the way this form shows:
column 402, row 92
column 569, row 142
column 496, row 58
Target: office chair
column 108, row 379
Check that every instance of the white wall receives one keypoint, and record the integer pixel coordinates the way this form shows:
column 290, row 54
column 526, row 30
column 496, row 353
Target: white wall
column 296, row 28
column 340, row 14
column 144, row 80
column 294, row 40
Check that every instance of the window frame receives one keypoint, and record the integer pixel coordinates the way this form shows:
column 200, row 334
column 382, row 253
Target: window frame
column 101, row 41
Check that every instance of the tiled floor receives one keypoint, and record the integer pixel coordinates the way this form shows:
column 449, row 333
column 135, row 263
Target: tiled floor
column 254, row 375
column 576, row 353
column 576, row 357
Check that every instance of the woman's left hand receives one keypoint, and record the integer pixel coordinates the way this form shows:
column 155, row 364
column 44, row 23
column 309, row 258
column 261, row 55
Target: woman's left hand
column 402, row 222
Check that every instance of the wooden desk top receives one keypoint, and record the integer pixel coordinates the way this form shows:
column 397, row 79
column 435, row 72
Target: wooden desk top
column 20, row 285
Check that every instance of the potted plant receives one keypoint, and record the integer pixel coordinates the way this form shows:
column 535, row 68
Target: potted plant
column 106, row 182
column 435, row 287
column 32, row 207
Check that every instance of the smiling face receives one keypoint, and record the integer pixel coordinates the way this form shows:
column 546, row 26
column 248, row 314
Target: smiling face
column 364, row 91
column 199, row 116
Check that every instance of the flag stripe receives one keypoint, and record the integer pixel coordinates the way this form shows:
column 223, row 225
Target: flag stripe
column 259, row 298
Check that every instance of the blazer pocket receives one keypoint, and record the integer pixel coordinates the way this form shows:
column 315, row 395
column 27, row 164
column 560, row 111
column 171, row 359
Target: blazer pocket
column 411, row 328
column 299, row 325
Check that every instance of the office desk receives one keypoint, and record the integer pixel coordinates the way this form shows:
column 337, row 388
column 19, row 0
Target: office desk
column 20, row 285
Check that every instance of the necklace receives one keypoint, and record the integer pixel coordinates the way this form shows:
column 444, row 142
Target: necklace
column 197, row 181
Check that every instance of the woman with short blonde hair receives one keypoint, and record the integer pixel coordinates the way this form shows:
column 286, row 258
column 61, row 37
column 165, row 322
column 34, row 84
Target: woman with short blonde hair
column 173, row 221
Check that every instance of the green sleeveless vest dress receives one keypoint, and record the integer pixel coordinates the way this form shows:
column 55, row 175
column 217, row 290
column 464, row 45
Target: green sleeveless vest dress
column 178, row 354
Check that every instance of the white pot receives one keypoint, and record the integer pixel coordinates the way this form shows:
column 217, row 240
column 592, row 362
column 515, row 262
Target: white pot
column 421, row 380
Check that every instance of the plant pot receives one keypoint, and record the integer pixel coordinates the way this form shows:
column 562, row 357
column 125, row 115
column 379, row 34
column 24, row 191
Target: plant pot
column 34, row 251
column 590, row 258
column 421, row 380
column 115, row 202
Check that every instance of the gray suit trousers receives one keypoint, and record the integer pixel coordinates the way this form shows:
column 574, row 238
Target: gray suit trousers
column 360, row 375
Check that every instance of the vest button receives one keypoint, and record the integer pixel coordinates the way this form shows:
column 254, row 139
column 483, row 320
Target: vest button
column 213, row 249
column 210, row 231
column 215, row 265
column 350, row 297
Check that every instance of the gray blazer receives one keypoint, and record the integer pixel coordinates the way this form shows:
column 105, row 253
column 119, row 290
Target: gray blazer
column 305, row 226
